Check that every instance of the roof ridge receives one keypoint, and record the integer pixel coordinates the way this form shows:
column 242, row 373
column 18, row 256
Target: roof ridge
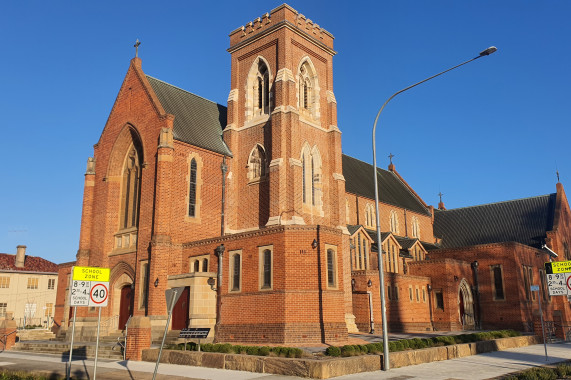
column 186, row 91
column 495, row 203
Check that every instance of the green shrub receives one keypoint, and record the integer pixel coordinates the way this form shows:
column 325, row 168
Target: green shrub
column 264, row 351
column 252, row 350
column 333, row 351
column 207, row 347
column 538, row 374
column 277, row 350
column 294, row 352
column 347, row 350
column 564, row 370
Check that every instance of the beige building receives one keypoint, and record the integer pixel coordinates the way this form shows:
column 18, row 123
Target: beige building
column 28, row 287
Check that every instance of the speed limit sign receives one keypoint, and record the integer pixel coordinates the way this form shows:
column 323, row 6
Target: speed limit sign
column 99, row 294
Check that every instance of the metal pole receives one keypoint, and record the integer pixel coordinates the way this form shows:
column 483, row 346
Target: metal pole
column 165, row 334
column 71, row 347
column 542, row 326
column 484, row 53
column 97, row 345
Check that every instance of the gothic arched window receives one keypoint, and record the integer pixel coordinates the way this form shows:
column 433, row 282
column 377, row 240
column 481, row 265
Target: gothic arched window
column 258, row 90
column 131, row 190
column 308, row 96
column 257, row 164
column 311, row 176
column 415, row 228
column 394, row 222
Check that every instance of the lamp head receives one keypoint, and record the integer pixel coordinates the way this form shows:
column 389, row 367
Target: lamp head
column 488, row 51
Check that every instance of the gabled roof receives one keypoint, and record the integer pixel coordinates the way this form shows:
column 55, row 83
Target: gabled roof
column 31, row 264
column 197, row 121
column 522, row 220
column 359, row 180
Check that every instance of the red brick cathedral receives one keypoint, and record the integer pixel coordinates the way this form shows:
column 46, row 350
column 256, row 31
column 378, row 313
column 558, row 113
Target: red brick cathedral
column 269, row 230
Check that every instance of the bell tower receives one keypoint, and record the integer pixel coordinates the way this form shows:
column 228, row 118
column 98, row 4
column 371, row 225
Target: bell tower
column 282, row 125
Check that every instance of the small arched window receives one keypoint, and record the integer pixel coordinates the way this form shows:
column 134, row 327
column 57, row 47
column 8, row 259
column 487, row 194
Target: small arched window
column 257, row 164
column 192, row 189
column 415, row 228
column 311, row 176
column 196, row 266
column 258, row 92
column 205, row 265
column 394, row 222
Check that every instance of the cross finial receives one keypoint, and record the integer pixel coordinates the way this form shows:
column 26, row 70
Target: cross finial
column 391, row 157
column 440, row 195
column 136, row 46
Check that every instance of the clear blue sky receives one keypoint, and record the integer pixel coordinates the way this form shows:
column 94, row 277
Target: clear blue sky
column 493, row 130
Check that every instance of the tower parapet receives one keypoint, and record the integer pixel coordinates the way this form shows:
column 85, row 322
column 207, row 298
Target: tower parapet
column 284, row 15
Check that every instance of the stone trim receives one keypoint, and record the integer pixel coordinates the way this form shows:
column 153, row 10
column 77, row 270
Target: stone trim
column 233, row 95
column 338, row 177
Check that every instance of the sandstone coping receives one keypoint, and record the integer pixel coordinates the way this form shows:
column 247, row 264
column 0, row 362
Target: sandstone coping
column 140, row 323
column 325, row 368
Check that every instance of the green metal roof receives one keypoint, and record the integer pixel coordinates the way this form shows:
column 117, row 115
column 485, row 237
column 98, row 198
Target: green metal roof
column 197, row 121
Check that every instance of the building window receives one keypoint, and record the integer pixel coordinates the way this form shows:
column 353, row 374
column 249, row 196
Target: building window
column 394, row 222
column 311, row 176
column 526, row 282
column 389, row 292
column 144, row 284
column 235, row 271
column 49, row 310
column 196, row 266
column 4, row 282
column 192, row 189
column 205, row 265
column 131, row 189
column 331, row 266
column 258, row 90
column 3, row 309
column 410, row 293
column 266, row 263
column 439, row 299
column 32, row 283
column 308, row 97
column 51, row 283
column 530, row 273
column 498, row 282
column 415, row 228
column 396, row 294
column 257, row 164
column 417, row 295
column 370, row 220
column 423, row 294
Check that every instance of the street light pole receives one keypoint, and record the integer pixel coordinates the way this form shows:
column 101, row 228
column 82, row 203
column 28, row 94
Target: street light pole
column 484, row 53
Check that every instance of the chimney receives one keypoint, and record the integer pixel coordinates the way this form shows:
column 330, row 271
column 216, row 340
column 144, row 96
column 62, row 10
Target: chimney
column 20, row 256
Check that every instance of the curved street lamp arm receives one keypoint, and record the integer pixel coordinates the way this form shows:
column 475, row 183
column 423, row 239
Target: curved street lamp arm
column 484, row 53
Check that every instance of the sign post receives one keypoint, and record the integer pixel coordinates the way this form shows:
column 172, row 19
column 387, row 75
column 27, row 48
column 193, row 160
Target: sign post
column 89, row 287
column 535, row 288
column 172, row 295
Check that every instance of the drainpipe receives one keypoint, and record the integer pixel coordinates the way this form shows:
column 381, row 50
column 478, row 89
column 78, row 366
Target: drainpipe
column 370, row 294
column 478, row 321
column 219, row 251
column 429, row 287
column 224, row 169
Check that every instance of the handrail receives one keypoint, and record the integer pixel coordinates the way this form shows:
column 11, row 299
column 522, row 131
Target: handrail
column 122, row 340
column 4, row 339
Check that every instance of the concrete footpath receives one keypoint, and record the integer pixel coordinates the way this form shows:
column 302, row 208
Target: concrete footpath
column 484, row 366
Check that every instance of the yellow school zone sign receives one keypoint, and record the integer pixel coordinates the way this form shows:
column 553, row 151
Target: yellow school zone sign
column 91, row 274
column 558, row 267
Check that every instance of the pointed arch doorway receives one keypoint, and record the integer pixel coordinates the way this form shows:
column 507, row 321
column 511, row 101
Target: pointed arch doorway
column 466, row 306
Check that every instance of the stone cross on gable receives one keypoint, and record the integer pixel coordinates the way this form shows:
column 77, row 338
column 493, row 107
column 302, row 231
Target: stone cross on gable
column 440, row 195
column 136, row 46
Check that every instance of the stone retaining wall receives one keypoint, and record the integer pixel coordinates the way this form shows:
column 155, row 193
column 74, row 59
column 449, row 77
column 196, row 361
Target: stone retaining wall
column 331, row 367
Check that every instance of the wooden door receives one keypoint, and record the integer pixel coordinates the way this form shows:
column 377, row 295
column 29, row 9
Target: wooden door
column 180, row 311
column 125, row 307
